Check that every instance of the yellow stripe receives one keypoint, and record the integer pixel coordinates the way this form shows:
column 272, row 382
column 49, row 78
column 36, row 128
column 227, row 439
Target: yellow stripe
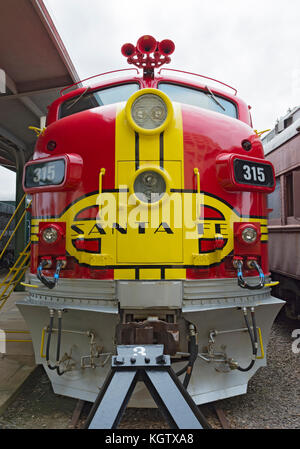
column 155, row 246
column 150, row 273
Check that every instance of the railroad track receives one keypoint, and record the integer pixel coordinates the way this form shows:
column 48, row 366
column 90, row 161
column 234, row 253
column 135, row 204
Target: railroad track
column 222, row 418
column 78, row 411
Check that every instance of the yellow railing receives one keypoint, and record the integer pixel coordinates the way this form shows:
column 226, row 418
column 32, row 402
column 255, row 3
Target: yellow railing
column 17, row 271
column 16, row 227
column 15, row 275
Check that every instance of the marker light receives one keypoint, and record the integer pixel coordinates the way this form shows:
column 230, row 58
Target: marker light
column 249, row 235
column 52, row 239
column 149, row 186
column 49, row 235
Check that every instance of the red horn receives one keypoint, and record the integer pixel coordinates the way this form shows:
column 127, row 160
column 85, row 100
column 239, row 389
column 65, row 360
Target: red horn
column 128, row 50
column 166, row 47
column 146, row 44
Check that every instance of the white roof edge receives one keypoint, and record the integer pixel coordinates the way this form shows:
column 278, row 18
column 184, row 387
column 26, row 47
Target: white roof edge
column 56, row 39
column 281, row 138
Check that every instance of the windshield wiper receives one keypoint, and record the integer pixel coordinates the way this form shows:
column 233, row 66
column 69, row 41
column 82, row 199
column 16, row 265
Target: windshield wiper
column 214, row 98
column 77, row 99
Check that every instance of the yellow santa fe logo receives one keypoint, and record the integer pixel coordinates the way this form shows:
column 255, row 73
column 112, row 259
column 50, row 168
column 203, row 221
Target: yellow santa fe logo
column 183, row 235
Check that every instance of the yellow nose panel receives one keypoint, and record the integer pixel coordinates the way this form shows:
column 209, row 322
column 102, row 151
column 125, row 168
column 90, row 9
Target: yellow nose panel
column 153, row 232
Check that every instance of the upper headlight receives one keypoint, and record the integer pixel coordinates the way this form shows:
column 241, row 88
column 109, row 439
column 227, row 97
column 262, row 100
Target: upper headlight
column 149, row 111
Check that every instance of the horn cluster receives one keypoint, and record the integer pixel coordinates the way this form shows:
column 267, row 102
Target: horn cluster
column 148, row 54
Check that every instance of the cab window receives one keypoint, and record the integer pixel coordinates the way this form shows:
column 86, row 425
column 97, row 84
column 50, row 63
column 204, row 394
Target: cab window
column 201, row 98
column 92, row 99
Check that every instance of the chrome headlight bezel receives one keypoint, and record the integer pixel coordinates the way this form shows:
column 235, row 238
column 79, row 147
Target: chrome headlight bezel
column 149, row 186
column 50, row 235
column 163, row 192
column 142, row 99
column 249, row 235
column 145, row 111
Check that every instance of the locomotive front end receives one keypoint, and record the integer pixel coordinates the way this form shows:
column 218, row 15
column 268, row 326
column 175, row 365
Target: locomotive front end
column 149, row 226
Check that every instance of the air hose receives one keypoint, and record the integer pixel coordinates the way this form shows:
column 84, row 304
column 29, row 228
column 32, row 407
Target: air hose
column 59, row 343
column 50, row 283
column 49, row 340
column 183, row 370
column 253, row 338
column 193, row 350
column 50, row 329
column 241, row 281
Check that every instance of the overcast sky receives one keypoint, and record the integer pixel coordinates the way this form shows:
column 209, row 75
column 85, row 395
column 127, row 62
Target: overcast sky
column 253, row 45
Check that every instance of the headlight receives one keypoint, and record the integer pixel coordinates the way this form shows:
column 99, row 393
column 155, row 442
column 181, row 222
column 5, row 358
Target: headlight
column 149, row 111
column 249, row 235
column 49, row 235
column 149, row 186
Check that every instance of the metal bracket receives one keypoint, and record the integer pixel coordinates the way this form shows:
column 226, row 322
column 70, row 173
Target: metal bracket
column 150, row 365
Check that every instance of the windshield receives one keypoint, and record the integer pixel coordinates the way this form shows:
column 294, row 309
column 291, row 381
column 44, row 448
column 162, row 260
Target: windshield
column 101, row 97
column 201, row 98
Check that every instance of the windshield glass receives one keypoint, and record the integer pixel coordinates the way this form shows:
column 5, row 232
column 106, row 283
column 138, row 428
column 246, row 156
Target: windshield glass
column 101, row 97
column 201, row 98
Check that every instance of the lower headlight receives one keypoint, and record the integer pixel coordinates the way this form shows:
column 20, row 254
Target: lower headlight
column 149, row 186
column 249, row 235
column 50, row 235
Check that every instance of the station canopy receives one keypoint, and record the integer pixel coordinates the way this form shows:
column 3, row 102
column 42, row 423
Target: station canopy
column 36, row 67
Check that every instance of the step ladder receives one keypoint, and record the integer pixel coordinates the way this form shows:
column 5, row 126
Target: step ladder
column 17, row 271
column 150, row 365
column 15, row 275
column 16, row 226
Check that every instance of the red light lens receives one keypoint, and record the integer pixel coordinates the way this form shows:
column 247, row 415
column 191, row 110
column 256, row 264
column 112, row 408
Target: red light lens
column 51, row 145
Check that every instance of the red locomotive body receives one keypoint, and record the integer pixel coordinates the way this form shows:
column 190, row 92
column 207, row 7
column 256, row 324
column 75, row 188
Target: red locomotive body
column 149, row 212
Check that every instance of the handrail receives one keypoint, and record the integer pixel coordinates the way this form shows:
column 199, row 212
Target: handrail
column 201, row 76
column 12, row 217
column 19, row 267
column 17, row 226
column 95, row 76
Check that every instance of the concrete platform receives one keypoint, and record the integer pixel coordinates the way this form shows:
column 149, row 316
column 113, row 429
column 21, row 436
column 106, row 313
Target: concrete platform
column 16, row 358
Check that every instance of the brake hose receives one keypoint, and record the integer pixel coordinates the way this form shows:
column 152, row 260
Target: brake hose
column 252, row 338
column 50, row 283
column 241, row 281
column 183, row 370
column 59, row 343
column 56, row 366
column 193, row 349
column 49, row 340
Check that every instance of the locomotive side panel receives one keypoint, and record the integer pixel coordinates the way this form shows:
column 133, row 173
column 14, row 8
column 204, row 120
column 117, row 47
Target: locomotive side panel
column 284, row 224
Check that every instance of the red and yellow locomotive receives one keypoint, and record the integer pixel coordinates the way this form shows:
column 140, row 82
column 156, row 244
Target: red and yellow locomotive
column 149, row 226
